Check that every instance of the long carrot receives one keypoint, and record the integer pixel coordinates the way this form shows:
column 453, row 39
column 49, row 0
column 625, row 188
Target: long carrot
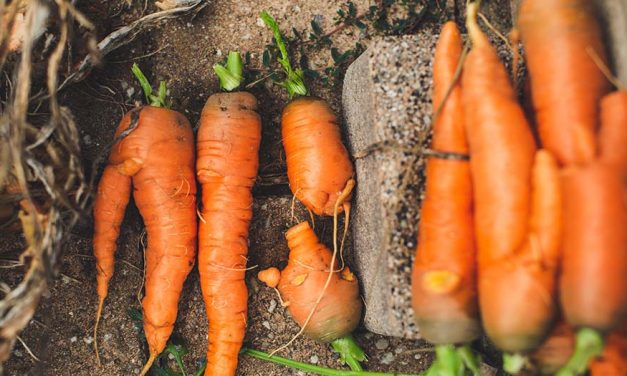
column 444, row 286
column 228, row 142
column 318, row 166
column 566, row 83
column 157, row 159
column 593, row 287
column 324, row 301
column 517, row 203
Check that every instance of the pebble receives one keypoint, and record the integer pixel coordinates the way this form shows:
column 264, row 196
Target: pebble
column 399, row 350
column 87, row 139
column 417, row 356
column 382, row 344
column 170, row 356
column 273, row 305
column 73, row 339
column 260, row 22
column 296, row 9
column 130, row 91
column 387, row 358
column 266, row 324
column 314, row 359
column 88, row 340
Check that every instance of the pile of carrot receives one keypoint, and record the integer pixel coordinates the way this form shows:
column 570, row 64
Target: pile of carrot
column 523, row 239
column 548, row 220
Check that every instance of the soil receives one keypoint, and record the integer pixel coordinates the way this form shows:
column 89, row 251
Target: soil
column 182, row 52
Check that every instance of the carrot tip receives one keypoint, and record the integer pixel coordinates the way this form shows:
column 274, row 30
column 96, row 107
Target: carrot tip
column 98, row 315
column 151, row 359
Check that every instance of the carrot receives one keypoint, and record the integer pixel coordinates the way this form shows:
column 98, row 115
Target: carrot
column 444, row 286
column 566, row 83
column 228, row 143
column 154, row 155
column 593, row 287
column 517, row 203
column 318, row 166
column 325, row 302
column 613, row 132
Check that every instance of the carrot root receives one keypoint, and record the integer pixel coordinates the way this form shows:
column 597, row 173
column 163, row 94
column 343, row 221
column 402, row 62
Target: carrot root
column 151, row 359
column 98, row 315
column 350, row 352
column 588, row 345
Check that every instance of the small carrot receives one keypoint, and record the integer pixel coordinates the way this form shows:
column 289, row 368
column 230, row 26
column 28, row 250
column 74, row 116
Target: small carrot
column 318, row 166
column 157, row 159
column 228, row 143
column 566, row 83
column 517, row 203
column 444, row 286
column 325, row 302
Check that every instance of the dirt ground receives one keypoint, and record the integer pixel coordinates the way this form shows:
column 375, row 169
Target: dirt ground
column 182, row 52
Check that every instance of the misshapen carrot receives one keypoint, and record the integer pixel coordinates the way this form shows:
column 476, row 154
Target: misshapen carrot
column 157, row 159
column 566, row 83
column 323, row 300
column 318, row 166
column 517, row 204
column 228, row 142
column 444, row 291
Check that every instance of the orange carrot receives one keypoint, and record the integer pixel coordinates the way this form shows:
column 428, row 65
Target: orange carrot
column 444, row 291
column 157, row 159
column 566, row 83
column 593, row 284
column 325, row 302
column 318, row 166
column 517, row 203
column 228, row 142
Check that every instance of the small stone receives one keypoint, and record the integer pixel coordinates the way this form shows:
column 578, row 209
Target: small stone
column 418, row 356
column 273, row 305
column 296, row 9
column 382, row 344
column 387, row 358
column 260, row 22
column 314, row 359
column 399, row 350
column 88, row 340
column 266, row 324
column 87, row 139
column 107, row 337
column 189, row 24
column 218, row 52
column 130, row 91
column 73, row 339
column 170, row 356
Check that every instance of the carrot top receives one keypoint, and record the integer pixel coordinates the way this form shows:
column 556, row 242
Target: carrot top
column 294, row 83
column 158, row 100
column 230, row 74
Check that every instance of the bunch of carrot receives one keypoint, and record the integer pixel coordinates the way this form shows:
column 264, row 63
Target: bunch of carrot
column 548, row 225
column 226, row 159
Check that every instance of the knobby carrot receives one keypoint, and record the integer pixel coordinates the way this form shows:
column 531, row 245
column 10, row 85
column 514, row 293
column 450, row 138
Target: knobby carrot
column 444, row 290
column 157, row 159
column 228, row 143
column 566, row 83
column 318, row 166
column 517, row 203
column 323, row 299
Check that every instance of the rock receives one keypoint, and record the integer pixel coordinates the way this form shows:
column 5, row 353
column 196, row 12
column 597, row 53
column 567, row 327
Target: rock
column 386, row 98
column 382, row 344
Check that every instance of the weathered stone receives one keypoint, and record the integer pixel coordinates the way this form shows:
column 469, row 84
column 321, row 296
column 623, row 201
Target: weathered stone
column 386, row 98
